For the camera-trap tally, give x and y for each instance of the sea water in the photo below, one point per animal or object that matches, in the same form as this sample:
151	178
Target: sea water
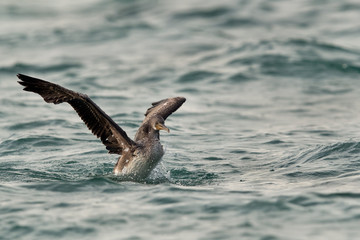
267	145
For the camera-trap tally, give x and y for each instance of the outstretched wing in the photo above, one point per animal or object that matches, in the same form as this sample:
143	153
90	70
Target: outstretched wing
101	125
164	108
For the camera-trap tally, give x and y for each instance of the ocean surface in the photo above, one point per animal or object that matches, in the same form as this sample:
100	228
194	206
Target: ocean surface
267	145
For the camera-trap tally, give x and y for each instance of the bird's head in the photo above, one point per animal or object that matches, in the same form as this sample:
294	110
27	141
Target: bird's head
158	123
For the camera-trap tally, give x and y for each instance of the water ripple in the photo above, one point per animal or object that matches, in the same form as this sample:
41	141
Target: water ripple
25	68
195	76
335	161
203	13
38	123
267	144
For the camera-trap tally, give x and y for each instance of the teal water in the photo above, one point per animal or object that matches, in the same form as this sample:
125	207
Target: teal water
267	145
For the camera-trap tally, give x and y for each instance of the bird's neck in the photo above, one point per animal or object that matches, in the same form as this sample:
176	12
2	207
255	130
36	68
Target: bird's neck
147	132
154	134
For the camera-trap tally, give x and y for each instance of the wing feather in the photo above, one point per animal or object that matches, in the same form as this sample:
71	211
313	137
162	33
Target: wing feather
99	123
165	107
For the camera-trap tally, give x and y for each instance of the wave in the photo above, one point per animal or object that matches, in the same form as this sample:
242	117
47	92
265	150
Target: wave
24	68
300	58
339	160
195	76
236	22
22	145
38	123
202	13
283	65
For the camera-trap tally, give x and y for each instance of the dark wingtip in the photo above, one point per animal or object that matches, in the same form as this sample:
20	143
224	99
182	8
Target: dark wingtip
21	83
26	81
19	75
22	77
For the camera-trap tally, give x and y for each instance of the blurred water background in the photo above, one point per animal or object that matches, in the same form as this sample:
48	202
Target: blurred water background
267	145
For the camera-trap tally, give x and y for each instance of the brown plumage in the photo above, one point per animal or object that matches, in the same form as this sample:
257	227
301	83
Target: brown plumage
138	156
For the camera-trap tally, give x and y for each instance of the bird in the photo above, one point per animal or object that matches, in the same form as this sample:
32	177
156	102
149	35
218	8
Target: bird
138	157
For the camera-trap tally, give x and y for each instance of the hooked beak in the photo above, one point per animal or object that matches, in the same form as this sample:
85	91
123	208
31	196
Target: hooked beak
160	126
